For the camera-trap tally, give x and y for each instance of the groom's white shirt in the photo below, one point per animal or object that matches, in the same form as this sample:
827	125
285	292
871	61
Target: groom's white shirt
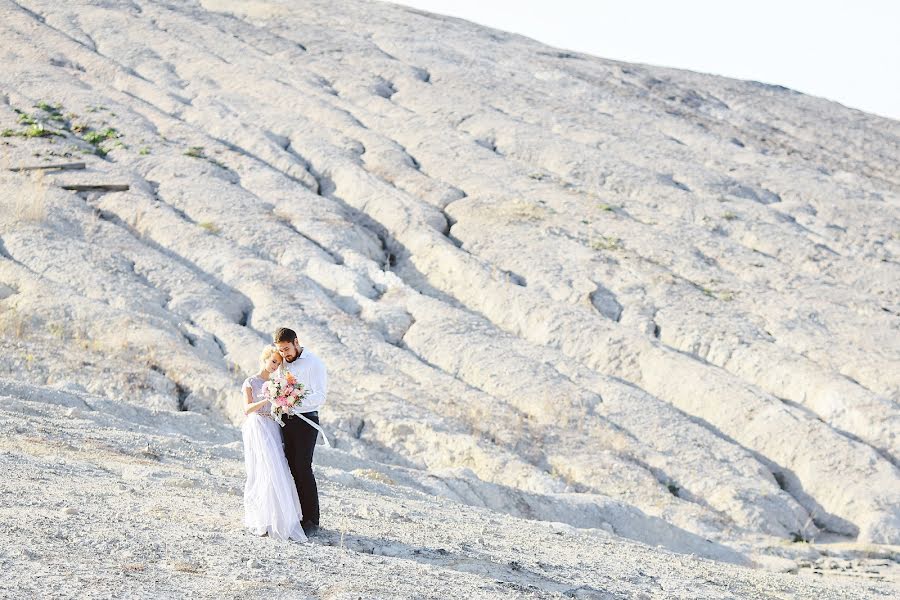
310	371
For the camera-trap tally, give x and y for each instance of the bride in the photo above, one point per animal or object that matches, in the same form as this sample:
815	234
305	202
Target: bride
271	504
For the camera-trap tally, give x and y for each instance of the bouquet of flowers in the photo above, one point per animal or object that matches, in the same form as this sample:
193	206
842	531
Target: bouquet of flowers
284	392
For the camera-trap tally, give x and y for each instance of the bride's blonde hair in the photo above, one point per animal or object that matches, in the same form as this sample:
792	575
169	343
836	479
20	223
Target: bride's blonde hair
267	352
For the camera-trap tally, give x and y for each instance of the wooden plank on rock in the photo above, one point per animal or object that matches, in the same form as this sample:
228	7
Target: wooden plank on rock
60	166
97	187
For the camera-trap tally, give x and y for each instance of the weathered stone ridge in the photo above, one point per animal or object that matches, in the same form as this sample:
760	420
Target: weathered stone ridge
627	298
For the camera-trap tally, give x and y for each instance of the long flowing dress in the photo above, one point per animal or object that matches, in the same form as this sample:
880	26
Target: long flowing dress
271	504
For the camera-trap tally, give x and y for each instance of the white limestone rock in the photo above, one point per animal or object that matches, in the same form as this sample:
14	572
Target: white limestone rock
648	305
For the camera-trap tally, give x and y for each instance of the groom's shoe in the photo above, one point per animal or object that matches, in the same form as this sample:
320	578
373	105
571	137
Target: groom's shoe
309	528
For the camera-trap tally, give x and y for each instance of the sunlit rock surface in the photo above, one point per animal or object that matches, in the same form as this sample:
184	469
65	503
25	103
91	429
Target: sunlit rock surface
630	302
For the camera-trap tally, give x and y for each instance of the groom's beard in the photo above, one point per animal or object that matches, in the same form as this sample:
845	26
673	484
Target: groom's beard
295	357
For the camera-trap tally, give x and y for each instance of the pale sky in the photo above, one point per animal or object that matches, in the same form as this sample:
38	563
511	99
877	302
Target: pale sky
843	50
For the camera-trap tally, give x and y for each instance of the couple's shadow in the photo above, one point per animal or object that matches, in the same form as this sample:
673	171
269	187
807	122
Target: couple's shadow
511	575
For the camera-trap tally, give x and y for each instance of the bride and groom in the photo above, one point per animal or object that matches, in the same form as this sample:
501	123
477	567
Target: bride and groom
280	496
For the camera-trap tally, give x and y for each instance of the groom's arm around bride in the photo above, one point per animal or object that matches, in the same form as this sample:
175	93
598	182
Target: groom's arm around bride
300	436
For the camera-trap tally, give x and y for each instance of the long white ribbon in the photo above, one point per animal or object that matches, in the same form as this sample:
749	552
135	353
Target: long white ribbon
315	426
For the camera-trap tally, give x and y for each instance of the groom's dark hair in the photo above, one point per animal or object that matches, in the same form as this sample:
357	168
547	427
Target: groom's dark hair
283	334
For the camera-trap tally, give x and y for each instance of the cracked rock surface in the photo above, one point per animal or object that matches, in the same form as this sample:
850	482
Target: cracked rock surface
593	329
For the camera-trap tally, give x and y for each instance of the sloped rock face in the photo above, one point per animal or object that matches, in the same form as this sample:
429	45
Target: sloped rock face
648	291
147	503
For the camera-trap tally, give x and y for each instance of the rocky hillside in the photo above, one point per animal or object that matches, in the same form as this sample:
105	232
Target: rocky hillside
105	499
655	310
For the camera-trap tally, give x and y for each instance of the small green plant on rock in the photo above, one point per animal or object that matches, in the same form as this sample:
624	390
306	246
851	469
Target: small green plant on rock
723	295
33	131
605	242
37	130
209	226
195	152
218	163
49	108
57	330
96	137
37	122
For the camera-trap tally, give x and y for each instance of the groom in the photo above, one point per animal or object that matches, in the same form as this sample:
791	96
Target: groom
300	436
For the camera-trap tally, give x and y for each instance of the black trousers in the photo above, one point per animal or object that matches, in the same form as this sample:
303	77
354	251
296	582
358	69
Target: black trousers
299	445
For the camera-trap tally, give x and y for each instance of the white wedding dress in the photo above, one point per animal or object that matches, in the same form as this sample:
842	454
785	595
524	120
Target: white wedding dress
271	504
